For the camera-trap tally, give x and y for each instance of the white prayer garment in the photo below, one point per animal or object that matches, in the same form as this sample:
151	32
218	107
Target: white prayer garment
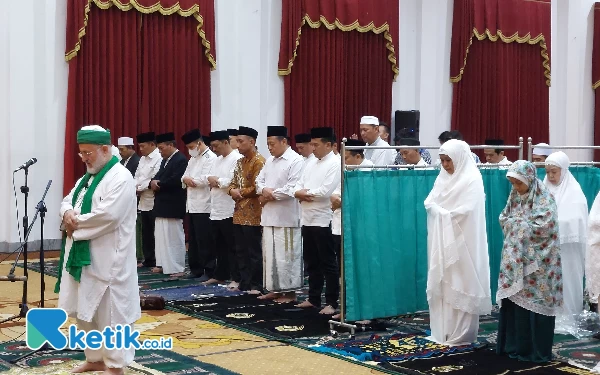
572	220
280	219
222	205
107	293
147	169
115	152
170	245
381	157
198	168
458	280
320	177
592	257
110	228
336	222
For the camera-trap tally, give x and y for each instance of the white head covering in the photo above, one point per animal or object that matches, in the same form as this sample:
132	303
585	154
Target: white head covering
542	151
369	120
570	200
125	141
115	152
518	177
456	235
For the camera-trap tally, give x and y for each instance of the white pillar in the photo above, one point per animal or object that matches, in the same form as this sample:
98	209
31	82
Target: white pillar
424	63
33	92
571	94
245	88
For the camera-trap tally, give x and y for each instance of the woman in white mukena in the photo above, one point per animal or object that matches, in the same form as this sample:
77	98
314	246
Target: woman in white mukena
458	280
572	232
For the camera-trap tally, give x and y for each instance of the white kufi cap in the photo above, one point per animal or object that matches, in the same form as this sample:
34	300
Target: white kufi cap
369	120
125	141
542	151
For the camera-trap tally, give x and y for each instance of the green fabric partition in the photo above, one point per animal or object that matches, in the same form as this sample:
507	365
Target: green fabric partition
385	236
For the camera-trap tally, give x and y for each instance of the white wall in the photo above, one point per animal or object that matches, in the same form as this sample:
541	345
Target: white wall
245	88
424	63
33	92
571	94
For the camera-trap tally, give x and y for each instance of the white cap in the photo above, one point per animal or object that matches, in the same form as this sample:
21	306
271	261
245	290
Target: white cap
542	151
369	120
125	141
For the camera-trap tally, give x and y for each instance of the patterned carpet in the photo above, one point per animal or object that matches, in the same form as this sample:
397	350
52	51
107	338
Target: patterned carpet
381	344
160	362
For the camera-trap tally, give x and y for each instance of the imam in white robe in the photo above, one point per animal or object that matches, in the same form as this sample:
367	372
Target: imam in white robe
458	279
110	227
572	230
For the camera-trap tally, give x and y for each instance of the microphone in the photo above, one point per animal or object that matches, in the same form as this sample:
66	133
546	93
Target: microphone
27	164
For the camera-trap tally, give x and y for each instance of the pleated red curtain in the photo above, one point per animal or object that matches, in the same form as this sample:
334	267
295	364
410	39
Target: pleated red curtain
136	70
338	59
500	66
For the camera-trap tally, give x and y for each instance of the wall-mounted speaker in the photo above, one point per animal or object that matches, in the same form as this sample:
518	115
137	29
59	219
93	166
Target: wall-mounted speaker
407	124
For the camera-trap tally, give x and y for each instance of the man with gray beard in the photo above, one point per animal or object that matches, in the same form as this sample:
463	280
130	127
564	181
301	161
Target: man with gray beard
97	278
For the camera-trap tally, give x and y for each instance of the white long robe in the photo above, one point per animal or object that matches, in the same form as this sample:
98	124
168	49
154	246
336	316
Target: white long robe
592	256
110	227
572	220
458	280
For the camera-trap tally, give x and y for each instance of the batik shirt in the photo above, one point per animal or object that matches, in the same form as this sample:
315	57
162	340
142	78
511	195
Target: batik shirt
530	269
247	210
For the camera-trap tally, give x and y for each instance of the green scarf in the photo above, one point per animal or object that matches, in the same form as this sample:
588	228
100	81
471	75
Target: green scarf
79	256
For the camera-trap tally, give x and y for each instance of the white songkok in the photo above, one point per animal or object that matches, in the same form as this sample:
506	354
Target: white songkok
542	151
125	141
369	120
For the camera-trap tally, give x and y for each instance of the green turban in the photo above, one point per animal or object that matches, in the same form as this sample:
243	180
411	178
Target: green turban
94	135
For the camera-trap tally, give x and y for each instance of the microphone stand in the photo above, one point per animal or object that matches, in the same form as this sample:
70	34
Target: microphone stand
41	210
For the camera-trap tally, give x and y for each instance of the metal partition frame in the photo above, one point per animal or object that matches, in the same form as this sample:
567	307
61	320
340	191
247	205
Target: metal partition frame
531	146
343	148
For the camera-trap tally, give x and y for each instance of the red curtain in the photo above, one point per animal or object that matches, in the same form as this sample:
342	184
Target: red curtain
500	66
338	74
134	72
596	78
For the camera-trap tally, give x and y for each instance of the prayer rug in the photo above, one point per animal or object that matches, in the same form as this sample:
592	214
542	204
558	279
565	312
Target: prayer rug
390	348
163	361
484	361
191	292
585	351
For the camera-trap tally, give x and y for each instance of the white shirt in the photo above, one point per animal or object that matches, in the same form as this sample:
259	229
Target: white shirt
421	163
505	163
110	228
222	204
146	170
336	222
281	174
381	157
198	169
320	177
308	159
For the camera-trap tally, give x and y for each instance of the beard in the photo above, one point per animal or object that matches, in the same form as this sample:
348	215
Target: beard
98	164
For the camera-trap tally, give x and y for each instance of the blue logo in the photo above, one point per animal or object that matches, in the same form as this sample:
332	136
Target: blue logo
43	326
